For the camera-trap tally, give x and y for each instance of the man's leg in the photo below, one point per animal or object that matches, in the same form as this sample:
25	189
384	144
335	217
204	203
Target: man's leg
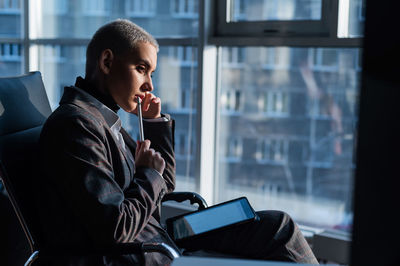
274	237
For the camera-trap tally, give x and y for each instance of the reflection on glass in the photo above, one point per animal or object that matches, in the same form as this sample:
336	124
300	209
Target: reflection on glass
258	10
287	118
11	59
11	13
80	19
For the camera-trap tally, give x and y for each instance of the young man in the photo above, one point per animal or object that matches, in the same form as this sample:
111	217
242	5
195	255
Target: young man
103	188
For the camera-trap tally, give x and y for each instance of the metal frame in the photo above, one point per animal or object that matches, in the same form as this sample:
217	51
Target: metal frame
226	27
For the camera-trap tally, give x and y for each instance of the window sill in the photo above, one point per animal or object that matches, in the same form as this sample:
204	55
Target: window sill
328	245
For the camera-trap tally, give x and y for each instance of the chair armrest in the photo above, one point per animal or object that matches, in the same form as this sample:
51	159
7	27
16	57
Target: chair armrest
117	249
193	197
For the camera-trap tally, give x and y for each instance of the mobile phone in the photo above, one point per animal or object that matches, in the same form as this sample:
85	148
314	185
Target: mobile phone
214	218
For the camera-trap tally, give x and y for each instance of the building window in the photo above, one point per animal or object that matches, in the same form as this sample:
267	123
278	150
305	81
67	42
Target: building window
184	145
183	55
140	8
54	53
361	10
96	7
186	99
324	59
279	9
234	149
272	150
233	57
274	103
58	7
239	10
231	101
185	8
10	6
275	58
10	52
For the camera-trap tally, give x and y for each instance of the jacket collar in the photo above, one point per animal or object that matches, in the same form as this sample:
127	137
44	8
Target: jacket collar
81	98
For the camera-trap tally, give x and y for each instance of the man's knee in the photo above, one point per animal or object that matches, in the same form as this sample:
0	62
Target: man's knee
280	223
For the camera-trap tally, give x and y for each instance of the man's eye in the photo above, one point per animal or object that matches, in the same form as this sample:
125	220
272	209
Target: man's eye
141	68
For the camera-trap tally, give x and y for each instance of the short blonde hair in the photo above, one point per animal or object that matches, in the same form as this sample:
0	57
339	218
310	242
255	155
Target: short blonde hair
119	36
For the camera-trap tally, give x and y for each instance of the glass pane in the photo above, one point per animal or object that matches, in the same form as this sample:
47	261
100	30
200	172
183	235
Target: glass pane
356	18
80	19
259	10
287	120
175	82
11	12
11	59
54	61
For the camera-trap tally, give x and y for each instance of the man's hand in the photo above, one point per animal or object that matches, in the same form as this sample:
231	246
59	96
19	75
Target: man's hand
151	106
147	157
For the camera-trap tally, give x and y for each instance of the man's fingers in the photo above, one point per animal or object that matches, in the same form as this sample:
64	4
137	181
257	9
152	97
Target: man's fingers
147	100
144	145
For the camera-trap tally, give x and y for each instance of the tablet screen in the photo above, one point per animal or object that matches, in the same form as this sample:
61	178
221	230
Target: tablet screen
212	218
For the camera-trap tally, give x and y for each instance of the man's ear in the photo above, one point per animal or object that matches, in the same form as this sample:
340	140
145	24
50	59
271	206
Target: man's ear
106	60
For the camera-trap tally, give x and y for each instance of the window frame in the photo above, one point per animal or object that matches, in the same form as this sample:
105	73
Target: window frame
282	28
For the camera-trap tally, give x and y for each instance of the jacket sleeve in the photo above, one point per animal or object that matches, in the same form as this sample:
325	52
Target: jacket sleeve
78	166
161	135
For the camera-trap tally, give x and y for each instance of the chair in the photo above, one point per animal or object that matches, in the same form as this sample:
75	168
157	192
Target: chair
24	108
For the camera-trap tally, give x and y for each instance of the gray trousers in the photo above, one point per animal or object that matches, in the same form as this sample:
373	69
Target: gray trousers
274	236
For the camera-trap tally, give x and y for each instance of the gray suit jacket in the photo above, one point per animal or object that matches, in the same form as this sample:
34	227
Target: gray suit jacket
91	195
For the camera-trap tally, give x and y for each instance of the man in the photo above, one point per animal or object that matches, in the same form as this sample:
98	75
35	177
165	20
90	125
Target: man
104	188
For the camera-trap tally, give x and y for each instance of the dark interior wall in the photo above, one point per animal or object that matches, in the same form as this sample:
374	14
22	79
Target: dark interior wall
377	193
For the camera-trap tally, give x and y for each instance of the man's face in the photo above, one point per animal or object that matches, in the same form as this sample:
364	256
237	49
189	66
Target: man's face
130	75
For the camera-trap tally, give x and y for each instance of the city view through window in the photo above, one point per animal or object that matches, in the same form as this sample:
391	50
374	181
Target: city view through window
286	116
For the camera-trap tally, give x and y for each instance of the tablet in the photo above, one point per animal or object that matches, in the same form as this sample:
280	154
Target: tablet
214	218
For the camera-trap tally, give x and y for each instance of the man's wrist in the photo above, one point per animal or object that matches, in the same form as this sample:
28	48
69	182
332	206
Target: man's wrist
162	118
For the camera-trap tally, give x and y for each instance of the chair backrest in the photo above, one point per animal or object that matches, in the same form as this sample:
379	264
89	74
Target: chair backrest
24	108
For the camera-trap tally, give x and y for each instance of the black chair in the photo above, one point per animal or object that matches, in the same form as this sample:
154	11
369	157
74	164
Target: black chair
24	108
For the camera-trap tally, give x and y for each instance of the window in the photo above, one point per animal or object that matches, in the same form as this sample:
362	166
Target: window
96	7
256	10
185	8
233	149
54	53
187	98
231	101
183	55
275	87
10	6
233	57
272	150
141	8
10	52
184	145
274	103
258	17
361	10
239	10
283	146
324	59
276	58
55	7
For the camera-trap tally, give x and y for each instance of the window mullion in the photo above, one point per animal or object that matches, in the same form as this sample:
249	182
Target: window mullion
26	43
